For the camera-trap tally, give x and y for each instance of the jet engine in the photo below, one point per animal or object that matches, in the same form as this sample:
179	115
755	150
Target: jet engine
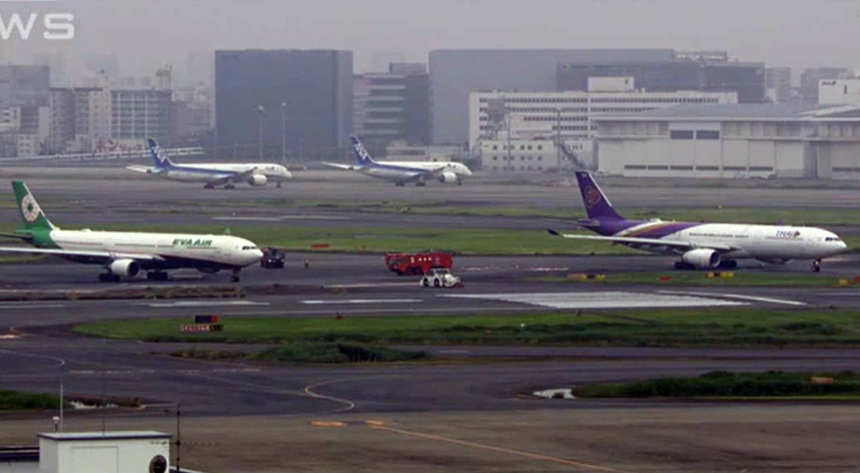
448	177
125	268
702	258
257	180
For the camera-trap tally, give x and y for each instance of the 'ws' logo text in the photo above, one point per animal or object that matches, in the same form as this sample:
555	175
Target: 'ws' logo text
53	26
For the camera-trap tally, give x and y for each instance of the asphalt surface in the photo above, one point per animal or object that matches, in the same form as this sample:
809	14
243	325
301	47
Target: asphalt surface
488	386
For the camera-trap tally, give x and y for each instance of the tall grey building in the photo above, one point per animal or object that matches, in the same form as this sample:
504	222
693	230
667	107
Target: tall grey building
456	73
24	85
777	81
304	94
394	106
809	81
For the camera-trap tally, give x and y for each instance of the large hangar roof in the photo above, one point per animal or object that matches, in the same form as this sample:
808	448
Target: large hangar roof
733	112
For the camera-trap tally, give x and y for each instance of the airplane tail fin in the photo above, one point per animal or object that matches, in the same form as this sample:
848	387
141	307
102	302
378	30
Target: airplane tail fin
31	214
158	155
596	204
362	157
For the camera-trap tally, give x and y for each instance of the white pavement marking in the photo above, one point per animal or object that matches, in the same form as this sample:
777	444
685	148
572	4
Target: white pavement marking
360	301
203	304
280	218
31	306
384	284
601	300
737	296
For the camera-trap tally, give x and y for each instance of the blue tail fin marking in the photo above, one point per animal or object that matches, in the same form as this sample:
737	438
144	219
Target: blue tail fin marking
362	157
161	159
596	204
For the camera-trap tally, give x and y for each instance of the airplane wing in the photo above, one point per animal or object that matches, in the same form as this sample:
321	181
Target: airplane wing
106	255
633	241
232	177
142	169
346	167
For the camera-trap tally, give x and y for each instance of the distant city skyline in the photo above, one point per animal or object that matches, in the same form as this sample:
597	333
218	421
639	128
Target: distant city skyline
146	34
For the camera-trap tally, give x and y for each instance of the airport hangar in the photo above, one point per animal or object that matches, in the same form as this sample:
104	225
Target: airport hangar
732	141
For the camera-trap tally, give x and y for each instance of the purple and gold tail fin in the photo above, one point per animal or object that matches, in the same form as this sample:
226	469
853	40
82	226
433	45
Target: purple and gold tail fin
596	204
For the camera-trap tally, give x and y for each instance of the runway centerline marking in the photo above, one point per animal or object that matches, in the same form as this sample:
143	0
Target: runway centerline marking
493	448
736	296
161	305
602	300
360	301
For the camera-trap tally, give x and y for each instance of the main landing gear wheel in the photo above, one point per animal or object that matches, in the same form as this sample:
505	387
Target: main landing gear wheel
229	187
682	266
279	184
156	276
816	266
208	186
108	277
728	264
235	276
420	184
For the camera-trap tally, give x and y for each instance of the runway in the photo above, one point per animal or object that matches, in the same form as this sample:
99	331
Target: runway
479	396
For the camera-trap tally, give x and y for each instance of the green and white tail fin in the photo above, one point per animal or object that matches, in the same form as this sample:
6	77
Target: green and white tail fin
31	213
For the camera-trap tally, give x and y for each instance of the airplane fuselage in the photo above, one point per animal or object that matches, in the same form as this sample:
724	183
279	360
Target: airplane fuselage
769	243
205	252
403	171
209	172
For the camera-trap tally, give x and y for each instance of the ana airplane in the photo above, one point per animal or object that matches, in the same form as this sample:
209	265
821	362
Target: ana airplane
702	245
125	254
403	172
212	175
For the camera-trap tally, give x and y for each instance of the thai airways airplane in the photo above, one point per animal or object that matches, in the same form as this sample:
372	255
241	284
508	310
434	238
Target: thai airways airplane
125	254
212	175
702	245
403	172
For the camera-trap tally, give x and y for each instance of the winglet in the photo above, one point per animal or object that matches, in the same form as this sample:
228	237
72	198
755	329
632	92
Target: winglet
31	214
362	157
158	155
596	203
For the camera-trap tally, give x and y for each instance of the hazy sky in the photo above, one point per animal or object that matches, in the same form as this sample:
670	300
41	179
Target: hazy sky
146	33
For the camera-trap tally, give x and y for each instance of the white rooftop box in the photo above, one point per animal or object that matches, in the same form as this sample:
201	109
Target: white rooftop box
611	84
109	452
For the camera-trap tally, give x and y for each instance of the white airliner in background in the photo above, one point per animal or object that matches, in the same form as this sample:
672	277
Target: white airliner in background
703	245
212	175
125	254
403	172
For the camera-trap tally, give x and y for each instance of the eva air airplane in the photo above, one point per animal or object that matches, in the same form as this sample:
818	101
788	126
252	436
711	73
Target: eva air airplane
125	254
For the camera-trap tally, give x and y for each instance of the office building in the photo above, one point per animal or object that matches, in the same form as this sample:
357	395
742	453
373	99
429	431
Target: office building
393	106
302	95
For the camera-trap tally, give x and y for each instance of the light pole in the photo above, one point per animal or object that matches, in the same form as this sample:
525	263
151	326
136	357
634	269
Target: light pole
261	110
283	132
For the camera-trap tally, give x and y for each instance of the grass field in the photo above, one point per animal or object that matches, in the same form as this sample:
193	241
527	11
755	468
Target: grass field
761	215
707	327
18	401
701	279
721	384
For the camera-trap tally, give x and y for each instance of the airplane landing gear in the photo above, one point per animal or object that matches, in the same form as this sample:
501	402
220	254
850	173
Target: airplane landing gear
156	276
420	184
230	187
235	276
682	266
279	184
728	264
816	266
208	186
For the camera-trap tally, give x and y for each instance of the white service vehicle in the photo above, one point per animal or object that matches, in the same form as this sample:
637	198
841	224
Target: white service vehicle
440	277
